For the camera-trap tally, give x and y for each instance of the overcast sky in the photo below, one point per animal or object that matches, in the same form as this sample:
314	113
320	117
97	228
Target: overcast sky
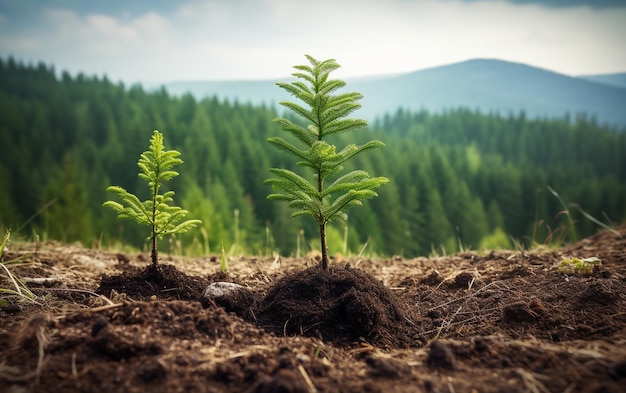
167	40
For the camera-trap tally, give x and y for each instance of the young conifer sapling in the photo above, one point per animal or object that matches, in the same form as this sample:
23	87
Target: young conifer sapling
330	194
158	212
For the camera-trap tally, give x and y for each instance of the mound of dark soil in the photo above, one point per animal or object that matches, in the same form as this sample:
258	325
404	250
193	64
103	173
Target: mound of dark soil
164	281
340	305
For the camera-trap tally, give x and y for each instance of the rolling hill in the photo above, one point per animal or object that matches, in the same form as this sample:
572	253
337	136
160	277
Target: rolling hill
617	80
489	86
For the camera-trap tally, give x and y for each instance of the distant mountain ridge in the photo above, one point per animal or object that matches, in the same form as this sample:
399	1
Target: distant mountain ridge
486	85
617	80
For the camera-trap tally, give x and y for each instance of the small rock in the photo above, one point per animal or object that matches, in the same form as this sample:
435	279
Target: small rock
86	260
220	292
220	289
302	358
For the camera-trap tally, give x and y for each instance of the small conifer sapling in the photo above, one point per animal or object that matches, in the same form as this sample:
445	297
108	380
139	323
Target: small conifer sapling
158	212
330	194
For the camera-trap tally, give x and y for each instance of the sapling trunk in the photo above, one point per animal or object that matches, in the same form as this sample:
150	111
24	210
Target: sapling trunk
322	223
155	253
155	191
324	261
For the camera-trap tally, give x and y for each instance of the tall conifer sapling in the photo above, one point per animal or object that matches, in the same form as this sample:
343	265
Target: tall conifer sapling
326	114
164	219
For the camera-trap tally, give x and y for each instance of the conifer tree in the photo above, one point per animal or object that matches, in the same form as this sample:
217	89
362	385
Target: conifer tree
156	167
326	114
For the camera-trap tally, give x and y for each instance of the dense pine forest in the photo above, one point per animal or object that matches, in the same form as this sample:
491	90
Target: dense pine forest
459	180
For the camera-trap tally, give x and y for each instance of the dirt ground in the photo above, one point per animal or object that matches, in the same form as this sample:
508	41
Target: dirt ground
506	321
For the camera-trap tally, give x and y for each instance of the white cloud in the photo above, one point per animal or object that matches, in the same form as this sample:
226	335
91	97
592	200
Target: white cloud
244	39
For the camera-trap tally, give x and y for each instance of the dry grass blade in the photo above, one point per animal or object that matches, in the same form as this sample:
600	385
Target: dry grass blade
531	382
449	321
306	378
21	290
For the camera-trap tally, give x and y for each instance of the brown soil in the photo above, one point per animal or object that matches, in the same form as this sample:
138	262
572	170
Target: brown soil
508	321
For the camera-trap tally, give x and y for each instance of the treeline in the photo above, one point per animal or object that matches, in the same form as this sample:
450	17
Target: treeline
459	179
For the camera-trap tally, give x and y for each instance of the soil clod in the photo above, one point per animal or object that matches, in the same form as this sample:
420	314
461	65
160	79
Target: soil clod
440	356
385	368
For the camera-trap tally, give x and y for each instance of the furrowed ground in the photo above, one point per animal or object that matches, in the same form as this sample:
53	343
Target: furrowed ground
506	321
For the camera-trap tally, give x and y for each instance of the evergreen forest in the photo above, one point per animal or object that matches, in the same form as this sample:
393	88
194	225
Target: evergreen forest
459	180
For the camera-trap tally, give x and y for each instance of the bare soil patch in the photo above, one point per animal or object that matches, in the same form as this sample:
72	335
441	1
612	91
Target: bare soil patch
507	321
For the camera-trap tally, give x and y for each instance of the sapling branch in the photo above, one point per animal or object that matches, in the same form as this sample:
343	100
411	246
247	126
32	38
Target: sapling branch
327	113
